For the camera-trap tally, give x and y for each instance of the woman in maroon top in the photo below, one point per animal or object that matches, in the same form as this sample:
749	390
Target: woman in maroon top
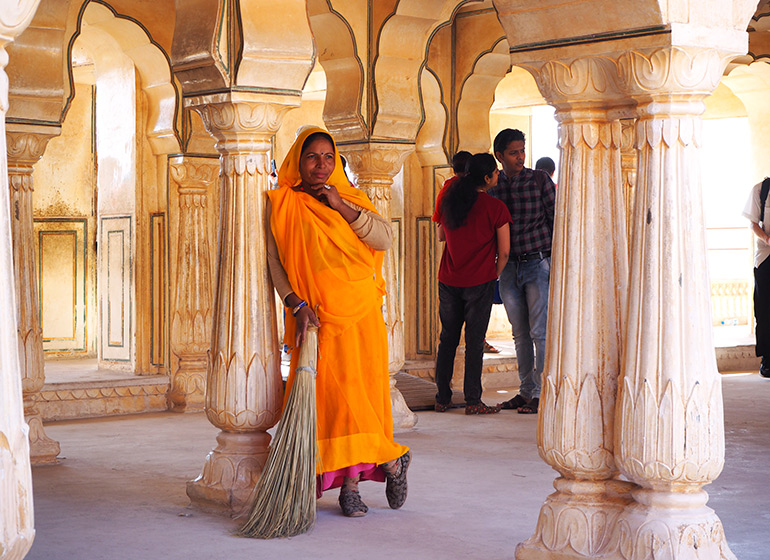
475	228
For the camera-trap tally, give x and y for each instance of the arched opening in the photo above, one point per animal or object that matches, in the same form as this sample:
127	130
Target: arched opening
100	208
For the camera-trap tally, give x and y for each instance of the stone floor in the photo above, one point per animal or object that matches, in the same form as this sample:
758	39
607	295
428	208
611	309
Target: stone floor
476	485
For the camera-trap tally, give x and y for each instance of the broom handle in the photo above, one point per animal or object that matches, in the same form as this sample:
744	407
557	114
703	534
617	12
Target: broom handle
308	352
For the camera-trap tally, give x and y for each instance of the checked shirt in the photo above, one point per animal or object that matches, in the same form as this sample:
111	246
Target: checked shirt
530	197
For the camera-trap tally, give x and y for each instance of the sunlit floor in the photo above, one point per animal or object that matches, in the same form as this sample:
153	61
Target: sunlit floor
476	486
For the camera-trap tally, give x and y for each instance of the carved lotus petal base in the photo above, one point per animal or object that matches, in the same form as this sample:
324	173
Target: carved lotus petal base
577	520
230	472
42	449
188	385
403	417
670	526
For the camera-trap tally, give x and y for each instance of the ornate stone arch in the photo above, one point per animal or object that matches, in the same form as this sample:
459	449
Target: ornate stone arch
39	69
40	86
152	66
750	83
477	93
403	44
337	53
430	139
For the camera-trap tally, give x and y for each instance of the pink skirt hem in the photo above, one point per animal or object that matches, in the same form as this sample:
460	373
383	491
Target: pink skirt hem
334	479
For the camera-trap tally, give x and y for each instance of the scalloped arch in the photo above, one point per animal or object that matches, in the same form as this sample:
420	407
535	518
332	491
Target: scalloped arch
477	95
100	25
430	138
344	71
403	47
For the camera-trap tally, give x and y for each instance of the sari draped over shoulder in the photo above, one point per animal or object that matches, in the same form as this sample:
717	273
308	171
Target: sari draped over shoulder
339	276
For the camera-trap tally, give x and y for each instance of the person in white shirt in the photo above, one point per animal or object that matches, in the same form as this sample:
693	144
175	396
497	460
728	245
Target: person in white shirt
756	212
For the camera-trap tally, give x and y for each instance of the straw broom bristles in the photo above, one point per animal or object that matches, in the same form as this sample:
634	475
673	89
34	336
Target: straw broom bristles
286	492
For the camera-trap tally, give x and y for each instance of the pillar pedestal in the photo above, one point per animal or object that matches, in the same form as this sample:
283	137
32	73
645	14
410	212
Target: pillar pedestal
228	476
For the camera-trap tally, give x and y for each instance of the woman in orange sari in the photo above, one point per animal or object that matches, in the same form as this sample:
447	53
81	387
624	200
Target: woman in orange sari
325	252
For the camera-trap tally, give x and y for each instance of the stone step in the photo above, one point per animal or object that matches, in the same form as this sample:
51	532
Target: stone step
103	397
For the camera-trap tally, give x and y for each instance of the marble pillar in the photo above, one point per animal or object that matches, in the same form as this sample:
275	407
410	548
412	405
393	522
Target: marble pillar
669	421
243	385
192	286
17	529
375	165
589	272
25	146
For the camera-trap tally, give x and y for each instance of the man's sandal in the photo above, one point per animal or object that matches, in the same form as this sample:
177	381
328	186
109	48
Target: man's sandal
481	408
531	407
395	483
513	404
441	407
351	504
489	349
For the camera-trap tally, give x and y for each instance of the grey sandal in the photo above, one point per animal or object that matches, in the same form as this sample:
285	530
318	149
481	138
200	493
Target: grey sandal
351	504
395	484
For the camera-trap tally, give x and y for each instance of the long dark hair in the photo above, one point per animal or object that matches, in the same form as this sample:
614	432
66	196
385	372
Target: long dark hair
463	193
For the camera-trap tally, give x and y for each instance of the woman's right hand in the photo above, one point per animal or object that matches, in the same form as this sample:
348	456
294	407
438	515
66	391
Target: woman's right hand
305	316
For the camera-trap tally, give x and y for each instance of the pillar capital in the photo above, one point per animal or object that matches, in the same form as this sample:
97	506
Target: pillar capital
573	83
376	163
687	73
193	175
242	123
26	144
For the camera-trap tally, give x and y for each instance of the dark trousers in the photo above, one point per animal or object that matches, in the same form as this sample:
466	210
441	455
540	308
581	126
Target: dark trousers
762	307
457	306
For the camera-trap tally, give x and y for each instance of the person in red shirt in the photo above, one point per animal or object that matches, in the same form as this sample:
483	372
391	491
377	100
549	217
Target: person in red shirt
459	163
475	227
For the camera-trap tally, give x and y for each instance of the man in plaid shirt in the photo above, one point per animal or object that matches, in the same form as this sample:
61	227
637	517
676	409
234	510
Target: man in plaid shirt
530	196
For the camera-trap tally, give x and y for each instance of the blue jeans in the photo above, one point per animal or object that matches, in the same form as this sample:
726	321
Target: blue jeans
524	290
457	306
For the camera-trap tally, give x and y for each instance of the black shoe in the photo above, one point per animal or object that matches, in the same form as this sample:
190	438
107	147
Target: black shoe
764	369
395	484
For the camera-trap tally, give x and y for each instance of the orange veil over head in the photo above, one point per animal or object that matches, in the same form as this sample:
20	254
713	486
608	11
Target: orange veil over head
327	265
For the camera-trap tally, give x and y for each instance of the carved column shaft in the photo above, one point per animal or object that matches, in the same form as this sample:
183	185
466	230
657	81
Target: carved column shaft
628	169
375	165
192	312
589	273
244	387
17	528
26	145
670	432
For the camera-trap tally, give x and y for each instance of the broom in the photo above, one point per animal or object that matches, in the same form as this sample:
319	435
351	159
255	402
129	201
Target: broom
285	494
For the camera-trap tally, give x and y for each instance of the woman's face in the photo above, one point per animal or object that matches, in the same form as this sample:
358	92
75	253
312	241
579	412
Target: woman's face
317	162
491	180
